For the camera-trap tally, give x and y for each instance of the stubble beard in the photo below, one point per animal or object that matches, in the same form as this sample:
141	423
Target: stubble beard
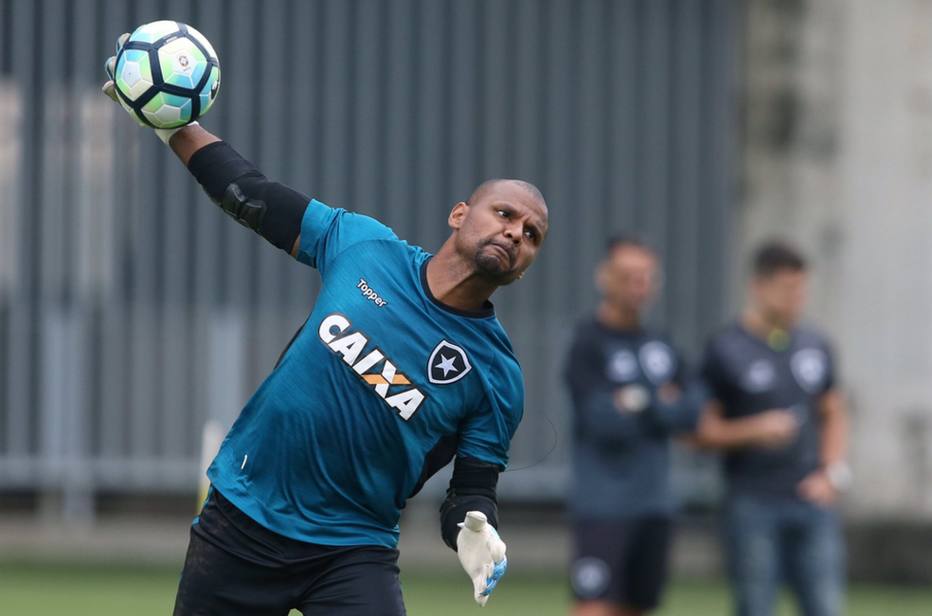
490	267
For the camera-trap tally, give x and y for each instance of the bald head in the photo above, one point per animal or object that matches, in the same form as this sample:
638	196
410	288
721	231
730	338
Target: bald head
499	229
490	186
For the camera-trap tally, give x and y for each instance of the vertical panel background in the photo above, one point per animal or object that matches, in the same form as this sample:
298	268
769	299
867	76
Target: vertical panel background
131	310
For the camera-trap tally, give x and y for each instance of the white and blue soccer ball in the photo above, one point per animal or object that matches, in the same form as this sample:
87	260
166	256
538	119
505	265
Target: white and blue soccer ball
167	74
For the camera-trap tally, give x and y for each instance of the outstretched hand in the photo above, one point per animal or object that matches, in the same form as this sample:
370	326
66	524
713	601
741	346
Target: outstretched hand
482	553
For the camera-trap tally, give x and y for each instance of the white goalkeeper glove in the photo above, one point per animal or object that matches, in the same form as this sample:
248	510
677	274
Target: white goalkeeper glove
482	553
110	90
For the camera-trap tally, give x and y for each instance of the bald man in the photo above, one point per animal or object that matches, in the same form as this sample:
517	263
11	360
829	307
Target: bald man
400	368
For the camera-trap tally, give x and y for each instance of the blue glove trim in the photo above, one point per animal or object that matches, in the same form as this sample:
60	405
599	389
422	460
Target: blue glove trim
493	579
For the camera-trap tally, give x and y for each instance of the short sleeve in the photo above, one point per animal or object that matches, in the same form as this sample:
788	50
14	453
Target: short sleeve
711	371
327	231
486	434
581	369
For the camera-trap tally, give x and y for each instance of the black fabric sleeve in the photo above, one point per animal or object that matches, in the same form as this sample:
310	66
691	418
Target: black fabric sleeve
595	416
272	210
581	368
472	488
216	165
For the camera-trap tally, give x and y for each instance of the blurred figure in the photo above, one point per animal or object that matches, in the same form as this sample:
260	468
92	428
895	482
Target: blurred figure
630	395
777	414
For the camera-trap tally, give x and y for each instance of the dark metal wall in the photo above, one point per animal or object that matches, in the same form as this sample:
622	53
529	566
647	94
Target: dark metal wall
131	309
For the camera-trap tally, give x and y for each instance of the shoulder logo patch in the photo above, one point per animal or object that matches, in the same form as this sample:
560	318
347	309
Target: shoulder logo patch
447	364
810	368
622	366
759	377
658	362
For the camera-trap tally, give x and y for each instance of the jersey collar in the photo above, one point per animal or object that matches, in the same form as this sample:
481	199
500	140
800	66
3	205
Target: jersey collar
487	310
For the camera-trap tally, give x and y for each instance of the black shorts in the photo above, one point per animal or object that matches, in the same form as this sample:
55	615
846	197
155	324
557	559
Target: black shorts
235	566
621	561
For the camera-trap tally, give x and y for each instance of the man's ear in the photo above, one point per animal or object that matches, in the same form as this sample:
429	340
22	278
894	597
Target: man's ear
458	215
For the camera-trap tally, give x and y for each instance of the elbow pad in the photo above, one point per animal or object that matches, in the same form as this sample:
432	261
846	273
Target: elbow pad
270	209
472	488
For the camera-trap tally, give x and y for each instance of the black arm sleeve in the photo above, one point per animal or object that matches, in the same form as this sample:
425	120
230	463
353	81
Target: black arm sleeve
272	210
472	488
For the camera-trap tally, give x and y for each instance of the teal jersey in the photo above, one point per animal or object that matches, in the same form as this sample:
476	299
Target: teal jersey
334	441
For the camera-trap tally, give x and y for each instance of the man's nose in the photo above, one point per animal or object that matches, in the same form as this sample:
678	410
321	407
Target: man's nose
513	232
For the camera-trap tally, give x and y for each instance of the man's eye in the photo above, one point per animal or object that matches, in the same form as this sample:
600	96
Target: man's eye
504	213
530	234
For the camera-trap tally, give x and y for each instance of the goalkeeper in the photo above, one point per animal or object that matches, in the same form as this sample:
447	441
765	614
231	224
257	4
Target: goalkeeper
401	367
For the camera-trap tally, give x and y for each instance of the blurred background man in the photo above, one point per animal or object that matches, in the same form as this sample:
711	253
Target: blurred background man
777	414
630	395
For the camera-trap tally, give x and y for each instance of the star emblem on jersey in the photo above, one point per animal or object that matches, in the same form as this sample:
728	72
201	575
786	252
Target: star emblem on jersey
447	364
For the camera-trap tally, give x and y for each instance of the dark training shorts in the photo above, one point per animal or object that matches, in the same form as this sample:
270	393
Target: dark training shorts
235	567
621	561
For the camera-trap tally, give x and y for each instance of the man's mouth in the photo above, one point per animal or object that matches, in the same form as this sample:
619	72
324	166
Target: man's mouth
504	251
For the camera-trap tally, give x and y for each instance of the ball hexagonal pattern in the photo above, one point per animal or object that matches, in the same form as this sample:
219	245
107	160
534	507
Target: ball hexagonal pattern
167	74
168	110
134	73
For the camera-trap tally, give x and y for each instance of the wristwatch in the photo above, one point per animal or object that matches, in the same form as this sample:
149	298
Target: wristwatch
839	475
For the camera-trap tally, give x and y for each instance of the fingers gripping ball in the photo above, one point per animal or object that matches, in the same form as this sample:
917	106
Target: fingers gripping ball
166	74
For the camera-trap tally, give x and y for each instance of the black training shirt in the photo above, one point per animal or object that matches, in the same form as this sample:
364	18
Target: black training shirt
747	375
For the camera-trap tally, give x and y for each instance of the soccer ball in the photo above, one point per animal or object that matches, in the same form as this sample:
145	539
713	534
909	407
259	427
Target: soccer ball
167	74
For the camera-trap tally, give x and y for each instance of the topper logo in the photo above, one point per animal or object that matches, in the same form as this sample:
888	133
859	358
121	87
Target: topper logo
369	293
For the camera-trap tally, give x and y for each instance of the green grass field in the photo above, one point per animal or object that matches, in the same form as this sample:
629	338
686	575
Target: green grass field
104	591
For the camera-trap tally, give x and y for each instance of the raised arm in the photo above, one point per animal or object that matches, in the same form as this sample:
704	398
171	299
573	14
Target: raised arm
272	210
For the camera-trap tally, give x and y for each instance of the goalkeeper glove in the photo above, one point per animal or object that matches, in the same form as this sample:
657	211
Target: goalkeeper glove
110	90
482	554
